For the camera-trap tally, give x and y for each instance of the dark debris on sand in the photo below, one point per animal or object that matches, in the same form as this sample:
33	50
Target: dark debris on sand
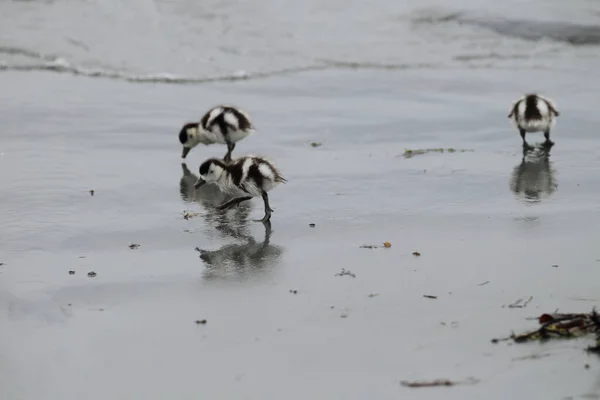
436	383
521	303
386	245
562	326
345	272
409	153
187	215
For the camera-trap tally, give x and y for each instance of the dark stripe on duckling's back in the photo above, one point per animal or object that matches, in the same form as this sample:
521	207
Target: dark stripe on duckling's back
531	108
236	170
255	175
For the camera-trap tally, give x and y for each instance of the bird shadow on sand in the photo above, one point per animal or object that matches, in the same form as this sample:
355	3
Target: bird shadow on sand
238	261
534	177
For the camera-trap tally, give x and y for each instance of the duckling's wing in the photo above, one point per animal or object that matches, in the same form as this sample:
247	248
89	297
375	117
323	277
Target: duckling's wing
513	108
551	105
208	119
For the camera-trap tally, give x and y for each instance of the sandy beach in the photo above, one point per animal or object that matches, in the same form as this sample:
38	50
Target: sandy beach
217	306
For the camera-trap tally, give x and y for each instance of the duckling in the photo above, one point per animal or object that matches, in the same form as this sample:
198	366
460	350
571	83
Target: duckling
221	124
534	113
253	175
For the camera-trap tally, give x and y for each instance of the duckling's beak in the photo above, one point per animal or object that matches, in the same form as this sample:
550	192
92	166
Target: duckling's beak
185	151
199	183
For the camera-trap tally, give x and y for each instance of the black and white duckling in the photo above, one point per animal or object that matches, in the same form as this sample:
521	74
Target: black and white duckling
255	176
534	113
221	124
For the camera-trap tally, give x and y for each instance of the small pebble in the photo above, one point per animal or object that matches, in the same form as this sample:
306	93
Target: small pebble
201	322
416	254
387	244
311	225
91	192
91	274
71	272
133	246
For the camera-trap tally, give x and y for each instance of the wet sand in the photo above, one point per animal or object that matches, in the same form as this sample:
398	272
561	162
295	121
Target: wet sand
480	216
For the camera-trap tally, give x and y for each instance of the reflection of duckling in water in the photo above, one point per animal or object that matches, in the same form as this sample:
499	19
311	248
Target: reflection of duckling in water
241	260
208	196
534	176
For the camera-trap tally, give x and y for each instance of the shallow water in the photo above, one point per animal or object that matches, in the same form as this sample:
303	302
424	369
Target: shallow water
475	216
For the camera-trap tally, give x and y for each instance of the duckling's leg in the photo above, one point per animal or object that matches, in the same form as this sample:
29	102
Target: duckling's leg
548	141
268	209
233	202
230	147
525	144
268	230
